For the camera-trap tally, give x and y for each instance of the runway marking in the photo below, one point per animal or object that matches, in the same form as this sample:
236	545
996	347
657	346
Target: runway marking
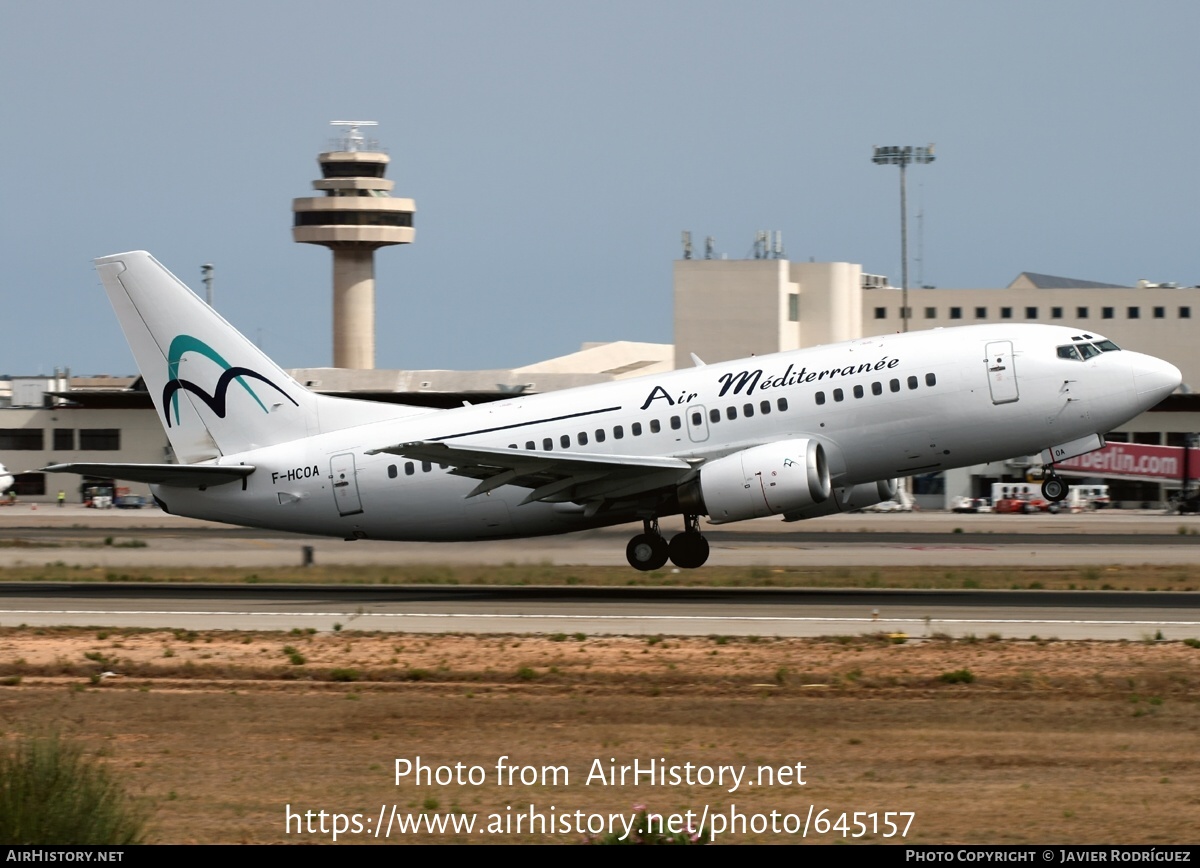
531	617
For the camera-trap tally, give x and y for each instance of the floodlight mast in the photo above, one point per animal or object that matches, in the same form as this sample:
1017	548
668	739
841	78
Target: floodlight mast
896	155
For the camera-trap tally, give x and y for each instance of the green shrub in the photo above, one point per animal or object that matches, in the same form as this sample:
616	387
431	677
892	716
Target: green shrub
958	676
51	793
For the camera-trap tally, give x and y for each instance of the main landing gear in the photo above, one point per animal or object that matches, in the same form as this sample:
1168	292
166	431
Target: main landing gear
1053	487
649	551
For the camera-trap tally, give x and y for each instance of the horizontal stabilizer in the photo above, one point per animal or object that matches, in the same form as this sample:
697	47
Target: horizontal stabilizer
178	475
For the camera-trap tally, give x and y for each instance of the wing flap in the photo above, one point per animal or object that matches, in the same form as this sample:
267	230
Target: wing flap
178	475
552	476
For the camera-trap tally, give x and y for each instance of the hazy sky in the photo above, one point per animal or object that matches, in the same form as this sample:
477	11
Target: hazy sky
557	149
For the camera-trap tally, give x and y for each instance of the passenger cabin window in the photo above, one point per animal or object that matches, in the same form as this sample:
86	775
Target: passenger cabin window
618	432
782	404
565	441
894	385
877	388
547	445
529	444
731	413
858	391
636	429
409	469
600	435
582	438
655	427
714	415
747	410
764	407
912	382
392	472
839	395
820	396
930	380
675	423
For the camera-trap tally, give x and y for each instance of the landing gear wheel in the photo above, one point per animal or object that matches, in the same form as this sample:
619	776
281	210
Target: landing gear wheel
688	550
1053	488
646	552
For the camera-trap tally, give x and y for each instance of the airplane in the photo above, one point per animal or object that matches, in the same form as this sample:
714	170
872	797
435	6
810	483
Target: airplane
6	479
798	434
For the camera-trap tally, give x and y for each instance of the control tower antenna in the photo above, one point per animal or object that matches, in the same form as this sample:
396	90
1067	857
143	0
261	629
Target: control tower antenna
354	216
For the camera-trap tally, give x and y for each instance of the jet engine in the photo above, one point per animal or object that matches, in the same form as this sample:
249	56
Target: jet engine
765	480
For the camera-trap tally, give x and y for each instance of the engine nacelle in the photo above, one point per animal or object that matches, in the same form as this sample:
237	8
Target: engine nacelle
766	480
868	494
847	499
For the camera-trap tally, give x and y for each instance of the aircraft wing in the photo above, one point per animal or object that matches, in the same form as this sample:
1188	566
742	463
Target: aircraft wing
555	477
180	475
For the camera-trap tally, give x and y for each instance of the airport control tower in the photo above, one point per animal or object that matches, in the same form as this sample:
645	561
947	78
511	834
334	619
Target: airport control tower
355	215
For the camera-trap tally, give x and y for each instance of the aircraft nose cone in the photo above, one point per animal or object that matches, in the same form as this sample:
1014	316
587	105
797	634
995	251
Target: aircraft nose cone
1154	379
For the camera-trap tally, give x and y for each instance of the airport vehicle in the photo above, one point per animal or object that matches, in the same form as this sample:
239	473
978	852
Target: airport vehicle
798	434
1026	505
1024	497
970	505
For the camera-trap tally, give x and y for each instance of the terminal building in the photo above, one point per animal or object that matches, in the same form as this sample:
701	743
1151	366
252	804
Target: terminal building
728	309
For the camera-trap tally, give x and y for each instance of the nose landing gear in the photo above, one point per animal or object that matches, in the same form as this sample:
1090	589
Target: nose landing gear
649	551
1053	487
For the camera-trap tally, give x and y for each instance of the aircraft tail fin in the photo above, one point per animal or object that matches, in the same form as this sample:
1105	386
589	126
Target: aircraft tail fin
216	393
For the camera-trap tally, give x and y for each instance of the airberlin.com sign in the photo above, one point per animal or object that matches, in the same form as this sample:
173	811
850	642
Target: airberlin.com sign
1133	461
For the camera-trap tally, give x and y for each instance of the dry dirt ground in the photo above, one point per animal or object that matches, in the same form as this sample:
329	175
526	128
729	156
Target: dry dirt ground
220	734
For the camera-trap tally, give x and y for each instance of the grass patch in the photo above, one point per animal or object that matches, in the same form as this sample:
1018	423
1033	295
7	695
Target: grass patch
51	793
1133	577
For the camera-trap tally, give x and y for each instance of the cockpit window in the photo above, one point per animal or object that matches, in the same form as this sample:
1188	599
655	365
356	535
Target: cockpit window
1107	346
1088	350
1069	352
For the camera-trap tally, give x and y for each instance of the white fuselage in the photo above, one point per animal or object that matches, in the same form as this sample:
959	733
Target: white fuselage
881	407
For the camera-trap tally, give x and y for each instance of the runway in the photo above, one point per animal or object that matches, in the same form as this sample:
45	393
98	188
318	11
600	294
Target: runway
617	611
75	536
85	538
